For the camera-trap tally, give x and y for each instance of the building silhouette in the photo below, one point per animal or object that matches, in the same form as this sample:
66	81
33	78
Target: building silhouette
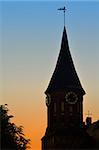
64	100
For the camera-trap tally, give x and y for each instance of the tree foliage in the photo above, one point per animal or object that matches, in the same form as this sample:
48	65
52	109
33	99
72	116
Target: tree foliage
12	137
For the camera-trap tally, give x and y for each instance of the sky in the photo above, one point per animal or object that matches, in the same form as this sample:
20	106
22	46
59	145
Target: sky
30	39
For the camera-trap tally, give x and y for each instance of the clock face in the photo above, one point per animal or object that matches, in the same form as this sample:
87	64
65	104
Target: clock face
48	99
71	97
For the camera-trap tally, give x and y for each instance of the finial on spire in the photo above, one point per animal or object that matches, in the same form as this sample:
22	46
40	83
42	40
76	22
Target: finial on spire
64	9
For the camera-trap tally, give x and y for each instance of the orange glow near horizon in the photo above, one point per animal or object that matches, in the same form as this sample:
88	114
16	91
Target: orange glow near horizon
27	104
31	111
35	125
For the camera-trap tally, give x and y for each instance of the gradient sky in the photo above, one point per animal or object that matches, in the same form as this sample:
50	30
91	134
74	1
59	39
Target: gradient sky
30	38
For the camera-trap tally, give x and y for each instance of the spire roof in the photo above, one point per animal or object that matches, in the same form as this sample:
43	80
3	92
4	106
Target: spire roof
64	75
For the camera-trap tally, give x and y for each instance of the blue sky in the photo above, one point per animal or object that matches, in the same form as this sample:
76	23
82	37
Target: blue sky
25	24
30	37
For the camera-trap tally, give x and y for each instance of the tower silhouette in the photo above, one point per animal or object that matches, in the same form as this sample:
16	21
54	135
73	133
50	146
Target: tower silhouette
64	100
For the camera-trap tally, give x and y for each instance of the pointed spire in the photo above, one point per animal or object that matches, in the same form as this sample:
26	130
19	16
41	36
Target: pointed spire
64	76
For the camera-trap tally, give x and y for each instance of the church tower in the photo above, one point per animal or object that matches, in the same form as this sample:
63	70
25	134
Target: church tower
64	101
64	95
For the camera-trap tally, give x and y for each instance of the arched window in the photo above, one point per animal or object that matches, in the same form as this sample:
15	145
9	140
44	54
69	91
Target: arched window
78	107
54	108
70	109
62	107
53	140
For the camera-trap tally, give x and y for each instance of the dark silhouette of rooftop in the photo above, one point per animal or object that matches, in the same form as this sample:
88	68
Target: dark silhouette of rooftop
64	75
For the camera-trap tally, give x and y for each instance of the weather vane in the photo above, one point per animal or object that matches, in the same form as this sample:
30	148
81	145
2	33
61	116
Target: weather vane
63	9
